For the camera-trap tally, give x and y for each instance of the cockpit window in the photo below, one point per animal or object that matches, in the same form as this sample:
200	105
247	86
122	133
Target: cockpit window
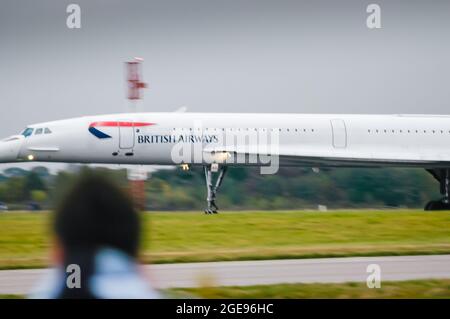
27	132
47	131
38	131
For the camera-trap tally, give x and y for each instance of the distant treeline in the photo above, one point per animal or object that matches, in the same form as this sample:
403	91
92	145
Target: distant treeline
243	188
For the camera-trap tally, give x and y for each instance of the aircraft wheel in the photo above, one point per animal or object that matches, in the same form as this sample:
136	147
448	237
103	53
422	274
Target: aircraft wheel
437	205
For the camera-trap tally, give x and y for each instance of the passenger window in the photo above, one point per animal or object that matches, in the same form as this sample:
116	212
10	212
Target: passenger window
38	131
47	131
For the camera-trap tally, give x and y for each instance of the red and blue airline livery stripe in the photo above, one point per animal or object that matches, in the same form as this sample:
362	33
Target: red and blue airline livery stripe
97	133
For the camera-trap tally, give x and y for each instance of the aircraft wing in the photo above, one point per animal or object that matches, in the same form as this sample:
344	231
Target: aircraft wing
319	157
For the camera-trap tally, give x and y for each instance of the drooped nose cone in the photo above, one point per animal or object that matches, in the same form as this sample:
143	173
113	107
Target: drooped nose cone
10	148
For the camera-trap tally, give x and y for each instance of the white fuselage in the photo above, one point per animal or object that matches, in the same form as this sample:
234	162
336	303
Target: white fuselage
302	139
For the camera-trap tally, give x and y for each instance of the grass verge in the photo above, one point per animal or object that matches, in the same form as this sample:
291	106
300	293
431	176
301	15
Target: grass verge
389	290
25	238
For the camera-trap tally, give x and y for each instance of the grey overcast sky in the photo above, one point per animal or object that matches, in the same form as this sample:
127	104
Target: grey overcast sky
223	56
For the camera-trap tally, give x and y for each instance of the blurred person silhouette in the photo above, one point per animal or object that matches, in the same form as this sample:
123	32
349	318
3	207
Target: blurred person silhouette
97	238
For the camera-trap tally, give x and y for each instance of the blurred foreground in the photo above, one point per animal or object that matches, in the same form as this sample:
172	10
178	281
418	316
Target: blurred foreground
393	289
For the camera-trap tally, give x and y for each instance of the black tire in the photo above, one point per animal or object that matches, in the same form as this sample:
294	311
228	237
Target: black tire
437	205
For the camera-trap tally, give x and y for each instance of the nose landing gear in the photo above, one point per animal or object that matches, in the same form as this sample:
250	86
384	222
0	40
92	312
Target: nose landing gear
213	188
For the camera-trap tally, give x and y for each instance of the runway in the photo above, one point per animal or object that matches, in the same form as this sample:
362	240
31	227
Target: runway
245	273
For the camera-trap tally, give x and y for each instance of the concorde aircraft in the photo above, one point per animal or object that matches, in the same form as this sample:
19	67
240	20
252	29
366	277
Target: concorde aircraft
217	141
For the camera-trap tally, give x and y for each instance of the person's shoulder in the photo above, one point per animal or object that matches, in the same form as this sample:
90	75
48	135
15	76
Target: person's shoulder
50	286
116	276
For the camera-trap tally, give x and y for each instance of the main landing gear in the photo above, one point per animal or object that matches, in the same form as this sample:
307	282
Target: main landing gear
213	188
443	177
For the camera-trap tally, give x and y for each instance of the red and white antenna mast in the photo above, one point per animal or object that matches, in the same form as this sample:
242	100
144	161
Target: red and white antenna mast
134	81
138	175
